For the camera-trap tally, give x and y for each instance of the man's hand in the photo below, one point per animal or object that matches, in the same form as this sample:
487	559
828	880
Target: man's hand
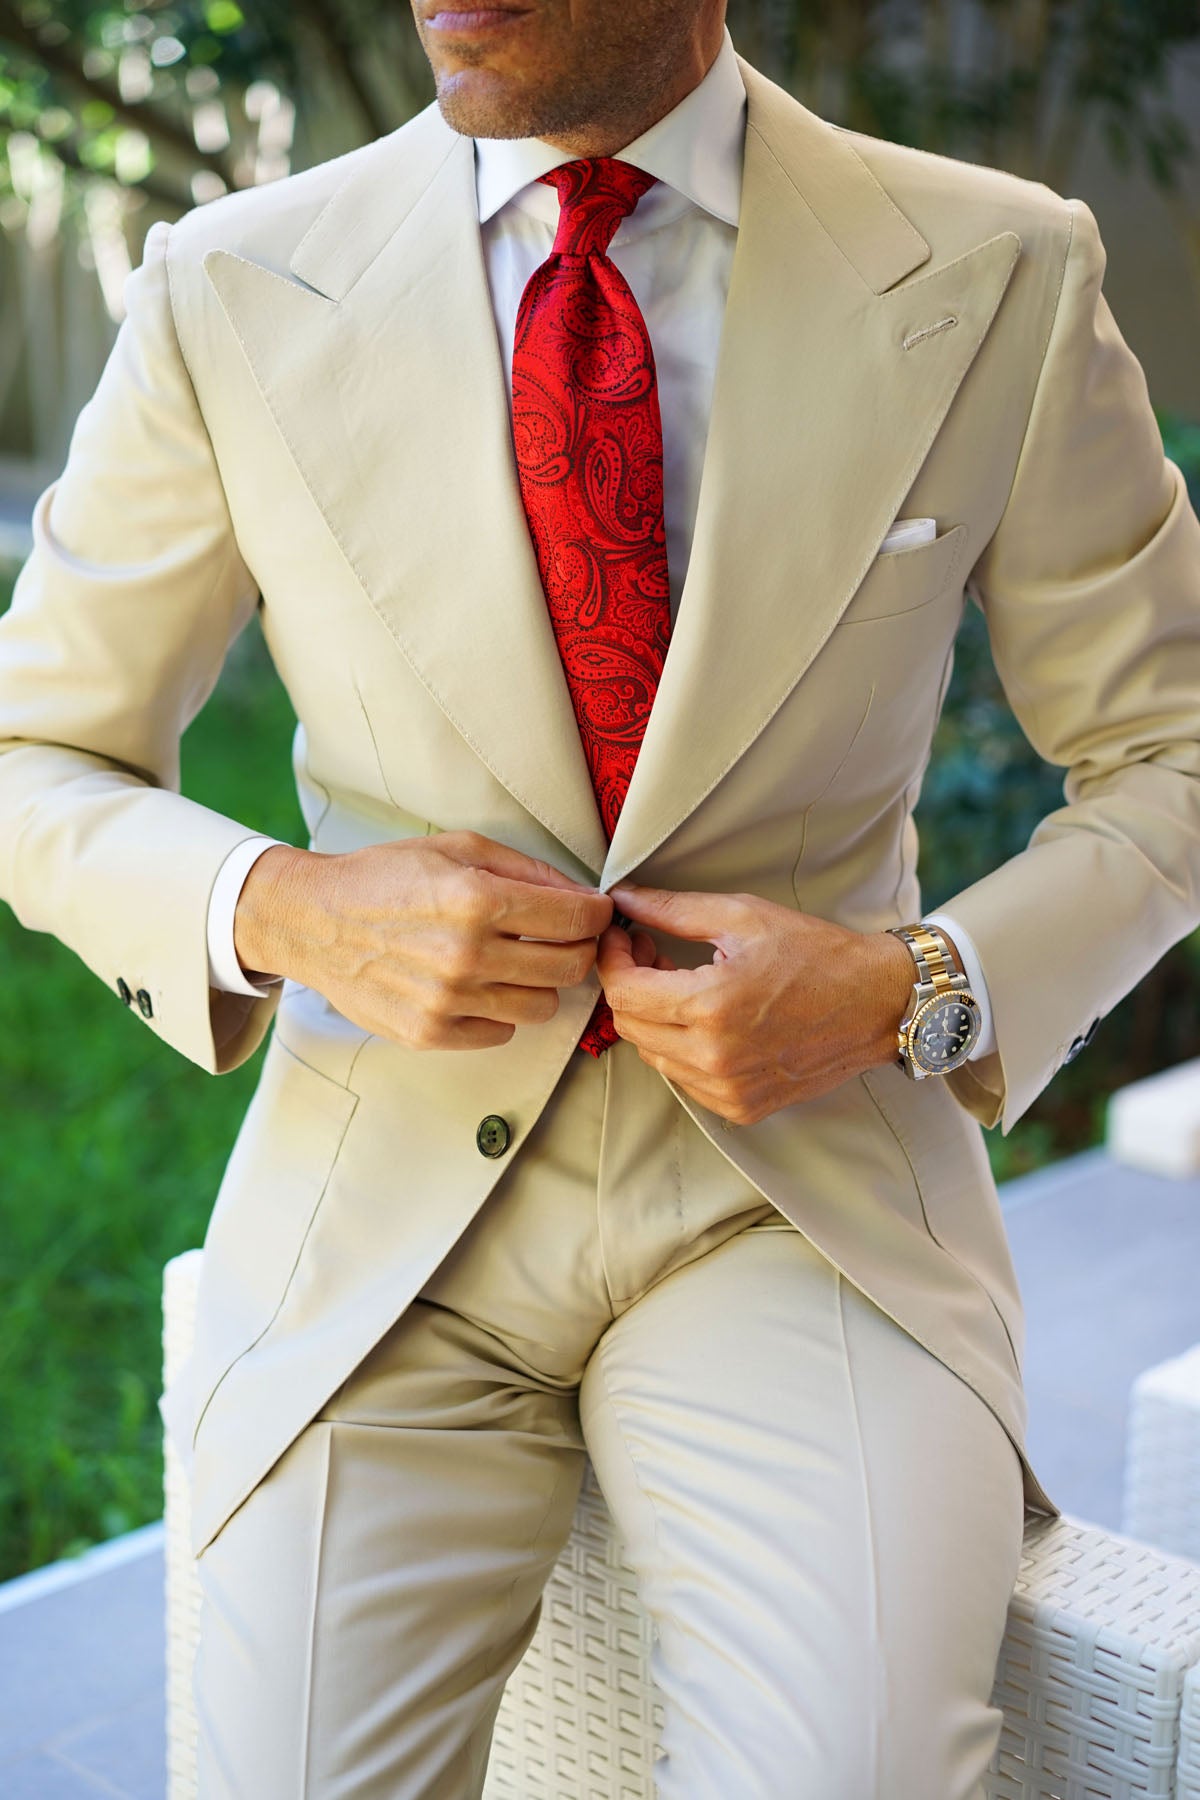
790	1006
423	940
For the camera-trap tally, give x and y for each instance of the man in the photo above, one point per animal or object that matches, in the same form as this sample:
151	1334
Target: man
608	451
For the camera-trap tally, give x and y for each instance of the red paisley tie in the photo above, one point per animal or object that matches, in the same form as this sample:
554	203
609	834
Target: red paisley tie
588	441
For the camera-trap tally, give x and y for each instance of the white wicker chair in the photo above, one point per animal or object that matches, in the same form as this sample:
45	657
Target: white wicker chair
1187	1781
1097	1674
1162	1457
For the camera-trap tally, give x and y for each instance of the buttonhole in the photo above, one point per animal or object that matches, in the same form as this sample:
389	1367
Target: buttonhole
914	337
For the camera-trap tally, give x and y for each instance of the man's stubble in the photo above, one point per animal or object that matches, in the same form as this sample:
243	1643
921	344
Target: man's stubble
617	65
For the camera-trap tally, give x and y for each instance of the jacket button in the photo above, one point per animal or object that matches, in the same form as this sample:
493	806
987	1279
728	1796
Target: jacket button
493	1135
123	990
145	1004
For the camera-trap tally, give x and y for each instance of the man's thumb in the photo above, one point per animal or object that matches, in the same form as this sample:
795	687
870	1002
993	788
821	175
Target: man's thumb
515	865
681	912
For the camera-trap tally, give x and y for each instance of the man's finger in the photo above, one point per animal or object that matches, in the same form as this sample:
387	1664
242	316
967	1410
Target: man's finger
707	918
615	948
648	993
644	949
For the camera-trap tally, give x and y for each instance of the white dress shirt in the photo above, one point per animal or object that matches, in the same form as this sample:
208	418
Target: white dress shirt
675	250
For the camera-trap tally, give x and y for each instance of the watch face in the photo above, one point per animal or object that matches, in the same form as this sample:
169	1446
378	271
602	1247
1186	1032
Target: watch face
945	1032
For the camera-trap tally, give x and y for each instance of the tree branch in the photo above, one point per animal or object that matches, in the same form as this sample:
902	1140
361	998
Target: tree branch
156	125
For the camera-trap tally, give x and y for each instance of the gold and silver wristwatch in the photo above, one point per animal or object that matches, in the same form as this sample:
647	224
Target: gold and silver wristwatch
942	1020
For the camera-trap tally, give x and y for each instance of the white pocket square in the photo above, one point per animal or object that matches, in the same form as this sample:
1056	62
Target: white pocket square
904	533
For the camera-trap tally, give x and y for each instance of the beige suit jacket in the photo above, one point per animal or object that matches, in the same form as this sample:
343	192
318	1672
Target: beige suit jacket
305	410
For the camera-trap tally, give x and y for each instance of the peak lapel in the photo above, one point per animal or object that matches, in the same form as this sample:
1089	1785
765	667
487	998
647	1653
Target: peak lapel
384	377
820	422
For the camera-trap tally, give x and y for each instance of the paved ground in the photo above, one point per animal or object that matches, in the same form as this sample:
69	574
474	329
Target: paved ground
82	1676
16	537
1106	1259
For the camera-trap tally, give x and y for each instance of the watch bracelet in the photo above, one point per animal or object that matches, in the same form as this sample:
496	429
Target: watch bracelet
931	952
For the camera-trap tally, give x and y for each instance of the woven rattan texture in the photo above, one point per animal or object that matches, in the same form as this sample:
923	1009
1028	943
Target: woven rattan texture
581	1714
1187	1780
1102	1633
1162	1457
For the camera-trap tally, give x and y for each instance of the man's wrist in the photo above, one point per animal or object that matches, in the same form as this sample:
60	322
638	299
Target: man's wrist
268	931
225	972
892	984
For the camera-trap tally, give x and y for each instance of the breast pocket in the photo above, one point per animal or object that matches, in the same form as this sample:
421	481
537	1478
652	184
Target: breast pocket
903	581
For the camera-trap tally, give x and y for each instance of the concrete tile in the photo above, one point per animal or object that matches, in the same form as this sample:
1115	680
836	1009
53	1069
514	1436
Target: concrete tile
128	1750
1106	1257
46	1777
80	1654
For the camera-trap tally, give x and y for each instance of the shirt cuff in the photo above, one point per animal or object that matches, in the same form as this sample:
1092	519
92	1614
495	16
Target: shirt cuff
986	1042
224	969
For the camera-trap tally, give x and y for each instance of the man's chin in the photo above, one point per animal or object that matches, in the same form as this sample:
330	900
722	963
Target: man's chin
479	103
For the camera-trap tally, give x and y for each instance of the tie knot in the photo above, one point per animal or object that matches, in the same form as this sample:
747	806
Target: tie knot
595	193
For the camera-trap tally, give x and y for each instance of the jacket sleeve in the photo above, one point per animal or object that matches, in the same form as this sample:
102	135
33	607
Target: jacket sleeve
120	621
1090	587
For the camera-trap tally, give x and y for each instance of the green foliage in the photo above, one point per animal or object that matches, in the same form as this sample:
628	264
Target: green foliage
89	79
1181	441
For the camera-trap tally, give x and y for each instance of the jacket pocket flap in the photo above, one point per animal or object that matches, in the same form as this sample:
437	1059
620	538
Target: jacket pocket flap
900	581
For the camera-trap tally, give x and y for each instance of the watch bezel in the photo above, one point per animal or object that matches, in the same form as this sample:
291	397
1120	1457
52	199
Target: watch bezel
960	996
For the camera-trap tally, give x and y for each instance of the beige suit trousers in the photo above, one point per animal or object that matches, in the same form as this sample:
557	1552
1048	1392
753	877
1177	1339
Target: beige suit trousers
825	1521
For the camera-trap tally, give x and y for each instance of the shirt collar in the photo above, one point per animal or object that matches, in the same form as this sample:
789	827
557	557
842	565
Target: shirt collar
696	148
